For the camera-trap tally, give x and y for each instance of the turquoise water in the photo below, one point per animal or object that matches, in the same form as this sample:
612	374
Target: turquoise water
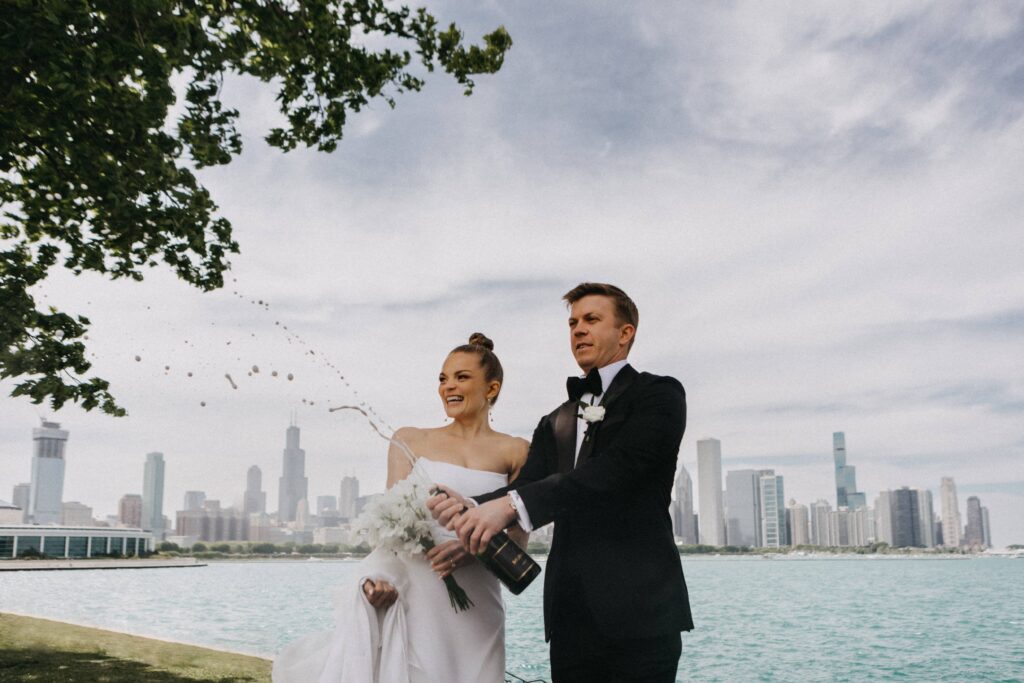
851	619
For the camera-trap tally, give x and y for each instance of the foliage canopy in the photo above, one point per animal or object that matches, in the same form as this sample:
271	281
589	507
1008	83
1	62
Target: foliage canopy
93	177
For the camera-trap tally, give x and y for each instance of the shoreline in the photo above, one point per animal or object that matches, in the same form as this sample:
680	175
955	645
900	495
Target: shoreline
34	647
83	564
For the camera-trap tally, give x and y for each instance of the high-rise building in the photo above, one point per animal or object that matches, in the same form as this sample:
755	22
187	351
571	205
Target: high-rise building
74	513
952	528
153	495
846	476
46	492
821	512
684	525
773	510
926	516
255	497
883	518
194	500
325	504
974	534
908	529
293	484
798	523
348	501
986	529
20	499
129	510
743	507
709	488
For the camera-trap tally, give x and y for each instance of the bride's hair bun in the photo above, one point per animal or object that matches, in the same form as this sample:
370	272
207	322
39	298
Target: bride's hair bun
480	339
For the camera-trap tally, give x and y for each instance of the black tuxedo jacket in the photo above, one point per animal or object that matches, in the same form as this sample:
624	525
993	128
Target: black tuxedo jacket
613	546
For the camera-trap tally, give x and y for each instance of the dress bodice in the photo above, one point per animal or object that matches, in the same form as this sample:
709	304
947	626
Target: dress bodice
466	481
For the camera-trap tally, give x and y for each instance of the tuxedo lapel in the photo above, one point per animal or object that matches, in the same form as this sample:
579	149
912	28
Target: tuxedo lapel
565	435
622	380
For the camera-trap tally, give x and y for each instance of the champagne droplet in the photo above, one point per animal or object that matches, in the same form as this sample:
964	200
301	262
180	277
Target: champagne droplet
290	377
138	358
228	378
255	368
202	403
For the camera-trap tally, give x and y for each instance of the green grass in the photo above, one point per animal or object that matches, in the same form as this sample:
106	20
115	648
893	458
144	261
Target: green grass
51	652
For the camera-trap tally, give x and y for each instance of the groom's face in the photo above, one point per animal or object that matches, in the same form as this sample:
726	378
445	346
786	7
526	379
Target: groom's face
596	336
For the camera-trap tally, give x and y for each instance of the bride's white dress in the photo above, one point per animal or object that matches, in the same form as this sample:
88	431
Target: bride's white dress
421	639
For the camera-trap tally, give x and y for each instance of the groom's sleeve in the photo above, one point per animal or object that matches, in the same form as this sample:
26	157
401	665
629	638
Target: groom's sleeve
649	436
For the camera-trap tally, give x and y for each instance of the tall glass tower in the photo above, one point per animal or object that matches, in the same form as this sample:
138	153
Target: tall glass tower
293	486
847	495
46	490
709	489
153	495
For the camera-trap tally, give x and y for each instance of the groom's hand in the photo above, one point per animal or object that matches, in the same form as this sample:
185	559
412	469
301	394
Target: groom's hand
476	526
446	506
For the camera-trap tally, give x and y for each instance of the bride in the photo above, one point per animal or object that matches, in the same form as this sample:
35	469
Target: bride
397	624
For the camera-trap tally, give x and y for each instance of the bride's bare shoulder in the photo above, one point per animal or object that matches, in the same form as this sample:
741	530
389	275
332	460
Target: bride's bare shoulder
515	448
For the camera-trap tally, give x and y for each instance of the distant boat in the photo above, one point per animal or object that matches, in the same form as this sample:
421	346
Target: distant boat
314	559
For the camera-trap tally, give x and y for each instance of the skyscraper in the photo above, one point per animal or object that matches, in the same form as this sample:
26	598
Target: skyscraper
709	486
194	500
798	524
685	530
952	528
974	534
773	510
743	507
129	510
293	484
153	495
20	499
926	516
46	492
348	501
986	529
907	525
883	518
821	512
846	476
255	497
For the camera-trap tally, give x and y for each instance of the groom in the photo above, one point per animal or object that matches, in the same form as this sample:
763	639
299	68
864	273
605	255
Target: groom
601	467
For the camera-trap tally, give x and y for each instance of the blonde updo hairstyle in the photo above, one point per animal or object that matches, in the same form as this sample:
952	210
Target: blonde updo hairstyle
483	349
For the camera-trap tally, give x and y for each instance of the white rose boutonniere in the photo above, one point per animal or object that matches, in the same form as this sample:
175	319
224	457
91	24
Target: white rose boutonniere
592	414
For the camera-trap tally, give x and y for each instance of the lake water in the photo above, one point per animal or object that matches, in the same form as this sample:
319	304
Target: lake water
843	619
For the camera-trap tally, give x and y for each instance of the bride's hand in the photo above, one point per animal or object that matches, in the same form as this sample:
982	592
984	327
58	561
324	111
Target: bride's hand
447	557
380	593
446	506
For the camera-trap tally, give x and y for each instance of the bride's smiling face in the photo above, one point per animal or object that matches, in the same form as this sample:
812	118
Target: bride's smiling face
463	387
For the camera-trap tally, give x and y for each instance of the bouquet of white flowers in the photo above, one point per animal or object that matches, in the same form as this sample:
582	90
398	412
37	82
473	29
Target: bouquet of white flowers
400	522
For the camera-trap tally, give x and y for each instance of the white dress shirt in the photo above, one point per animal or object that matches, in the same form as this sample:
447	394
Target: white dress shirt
608	374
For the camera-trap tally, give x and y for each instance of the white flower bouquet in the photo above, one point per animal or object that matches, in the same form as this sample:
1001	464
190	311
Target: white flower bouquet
400	522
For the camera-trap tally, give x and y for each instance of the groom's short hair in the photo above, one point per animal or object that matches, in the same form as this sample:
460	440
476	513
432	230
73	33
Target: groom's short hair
625	309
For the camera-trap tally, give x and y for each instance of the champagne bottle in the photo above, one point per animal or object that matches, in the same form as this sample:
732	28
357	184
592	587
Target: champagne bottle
506	560
511	564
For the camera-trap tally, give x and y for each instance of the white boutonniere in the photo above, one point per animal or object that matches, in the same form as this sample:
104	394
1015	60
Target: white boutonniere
592	414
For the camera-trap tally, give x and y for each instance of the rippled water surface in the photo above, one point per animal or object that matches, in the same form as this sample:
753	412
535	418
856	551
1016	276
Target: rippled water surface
757	620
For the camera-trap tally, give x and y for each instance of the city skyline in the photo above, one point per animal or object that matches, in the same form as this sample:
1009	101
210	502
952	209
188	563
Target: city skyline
815	211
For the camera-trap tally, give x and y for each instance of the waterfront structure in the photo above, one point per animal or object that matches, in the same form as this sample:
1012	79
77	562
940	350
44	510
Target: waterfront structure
821	512
20	499
952	528
195	500
974	534
743	508
846	476
349	498
685	527
255	497
24	540
153	495
797	523
129	510
293	485
212	524
46	491
73	513
773	510
709	488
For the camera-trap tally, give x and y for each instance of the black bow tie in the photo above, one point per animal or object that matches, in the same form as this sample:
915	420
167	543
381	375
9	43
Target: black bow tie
577	386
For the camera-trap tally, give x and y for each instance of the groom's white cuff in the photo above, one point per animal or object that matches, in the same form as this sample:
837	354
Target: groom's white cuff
524	516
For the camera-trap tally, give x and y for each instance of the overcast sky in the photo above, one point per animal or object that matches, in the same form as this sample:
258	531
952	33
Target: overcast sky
816	208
